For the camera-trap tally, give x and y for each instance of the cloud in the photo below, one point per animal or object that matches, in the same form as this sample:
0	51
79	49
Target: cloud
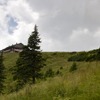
3	23
66	25
84	39
20	10
2	2
19	20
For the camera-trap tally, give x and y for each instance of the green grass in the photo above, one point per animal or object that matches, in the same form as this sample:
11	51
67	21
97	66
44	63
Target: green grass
9	62
81	84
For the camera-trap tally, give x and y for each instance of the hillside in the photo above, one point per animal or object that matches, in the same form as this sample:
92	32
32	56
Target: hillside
82	84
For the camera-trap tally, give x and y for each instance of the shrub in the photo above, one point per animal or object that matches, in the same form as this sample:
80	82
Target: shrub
73	67
58	72
78	57
61	67
54	54
49	73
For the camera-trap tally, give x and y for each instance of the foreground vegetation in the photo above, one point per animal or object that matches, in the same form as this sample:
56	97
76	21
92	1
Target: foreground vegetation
80	84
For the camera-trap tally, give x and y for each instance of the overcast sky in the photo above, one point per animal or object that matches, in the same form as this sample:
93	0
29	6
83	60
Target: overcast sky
64	25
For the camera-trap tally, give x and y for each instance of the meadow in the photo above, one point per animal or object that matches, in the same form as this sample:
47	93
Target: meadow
81	84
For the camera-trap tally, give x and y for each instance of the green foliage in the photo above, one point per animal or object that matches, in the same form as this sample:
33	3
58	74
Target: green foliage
84	84
54	62
61	68
2	75
49	73
58	72
36	60
78	57
21	69
93	55
98	55
73	67
30	61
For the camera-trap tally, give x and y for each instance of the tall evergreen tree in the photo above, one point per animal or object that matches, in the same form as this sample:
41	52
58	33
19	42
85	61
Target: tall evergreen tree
22	69
30	60
2	76
36	59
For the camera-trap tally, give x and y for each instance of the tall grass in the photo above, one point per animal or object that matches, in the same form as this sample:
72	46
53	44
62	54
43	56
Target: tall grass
82	84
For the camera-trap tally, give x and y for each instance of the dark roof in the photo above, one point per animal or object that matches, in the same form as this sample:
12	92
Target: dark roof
16	46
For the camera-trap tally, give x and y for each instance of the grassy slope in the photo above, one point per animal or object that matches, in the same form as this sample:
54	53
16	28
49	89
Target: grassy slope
83	84
9	62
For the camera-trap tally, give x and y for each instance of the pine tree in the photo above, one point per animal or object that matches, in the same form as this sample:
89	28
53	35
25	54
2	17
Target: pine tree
21	69
36	59
2	76
30	61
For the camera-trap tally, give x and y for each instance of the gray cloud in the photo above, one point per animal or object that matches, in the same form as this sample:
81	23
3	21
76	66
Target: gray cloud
67	13
60	20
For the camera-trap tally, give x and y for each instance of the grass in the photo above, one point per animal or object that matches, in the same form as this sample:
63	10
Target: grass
81	84
9	62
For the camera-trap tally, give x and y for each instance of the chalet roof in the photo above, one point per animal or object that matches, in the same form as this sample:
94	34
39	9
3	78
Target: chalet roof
19	46
16	46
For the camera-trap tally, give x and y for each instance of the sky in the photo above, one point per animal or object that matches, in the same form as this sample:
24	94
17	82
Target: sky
63	25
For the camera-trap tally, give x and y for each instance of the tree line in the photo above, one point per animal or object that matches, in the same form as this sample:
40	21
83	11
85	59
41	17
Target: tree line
93	55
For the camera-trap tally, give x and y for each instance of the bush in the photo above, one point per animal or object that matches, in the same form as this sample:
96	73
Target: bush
49	73
73	67
79	57
86	56
58	72
54	54
61	67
